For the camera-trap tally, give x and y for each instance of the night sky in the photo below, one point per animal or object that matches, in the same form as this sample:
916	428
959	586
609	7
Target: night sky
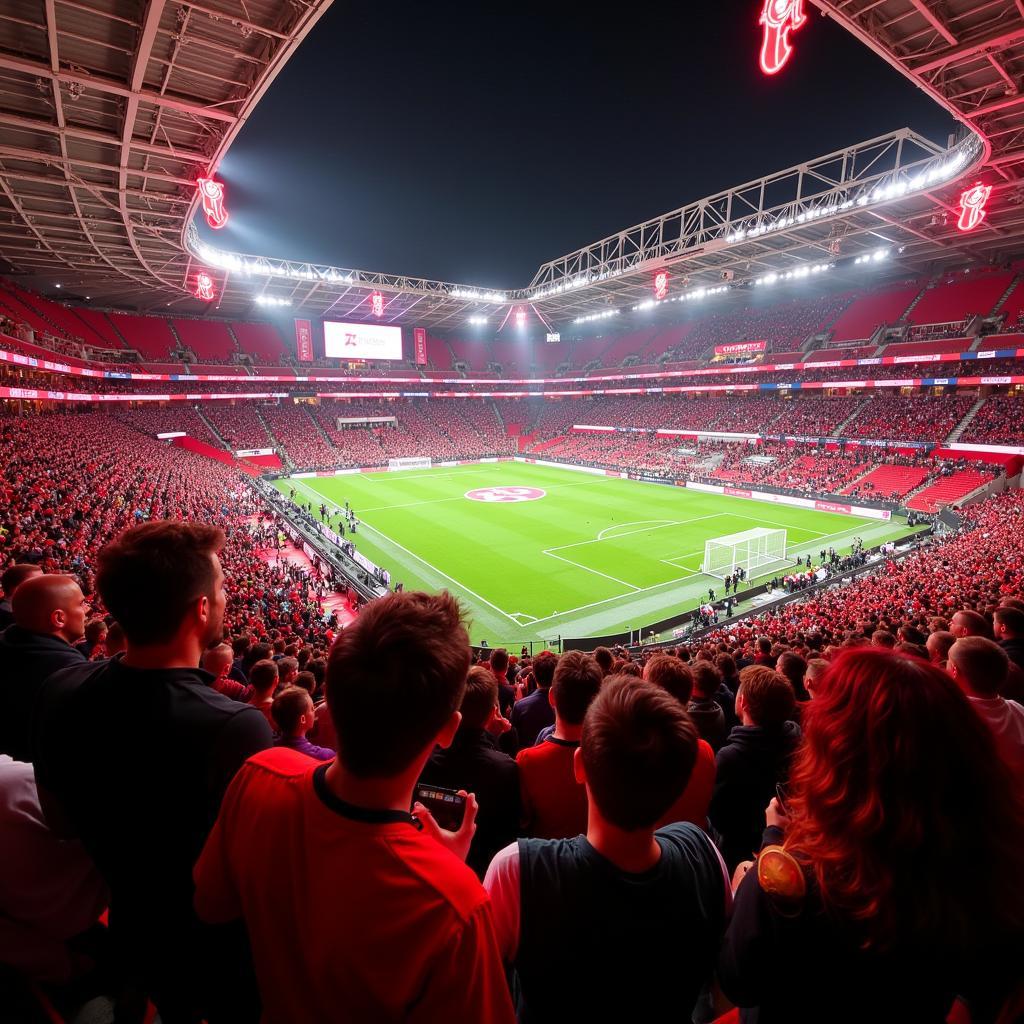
468	145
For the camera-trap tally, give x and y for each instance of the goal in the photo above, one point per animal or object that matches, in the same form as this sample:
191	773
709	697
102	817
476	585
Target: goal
757	551
410	463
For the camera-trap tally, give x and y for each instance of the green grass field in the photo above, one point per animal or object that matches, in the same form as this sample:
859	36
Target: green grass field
595	555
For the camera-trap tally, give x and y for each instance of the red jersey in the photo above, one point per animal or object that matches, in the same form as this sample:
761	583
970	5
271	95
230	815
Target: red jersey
554	803
352	914
694	801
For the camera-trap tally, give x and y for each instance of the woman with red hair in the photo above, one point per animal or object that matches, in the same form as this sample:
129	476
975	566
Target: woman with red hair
892	882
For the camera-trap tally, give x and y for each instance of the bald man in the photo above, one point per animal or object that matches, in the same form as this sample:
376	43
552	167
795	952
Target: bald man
218	661
12	578
969	623
980	667
49	618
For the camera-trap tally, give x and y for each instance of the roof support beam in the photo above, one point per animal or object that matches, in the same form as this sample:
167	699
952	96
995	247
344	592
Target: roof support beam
966	50
923	9
168	152
106	85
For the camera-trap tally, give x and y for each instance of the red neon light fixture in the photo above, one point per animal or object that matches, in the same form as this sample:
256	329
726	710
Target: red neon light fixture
204	287
661	285
377	304
779	18
212	195
972	206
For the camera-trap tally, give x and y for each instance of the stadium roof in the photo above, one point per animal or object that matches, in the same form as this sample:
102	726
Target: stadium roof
108	119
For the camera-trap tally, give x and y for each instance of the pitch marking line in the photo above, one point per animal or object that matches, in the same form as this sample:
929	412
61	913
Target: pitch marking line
645	523
664	522
586	568
418	558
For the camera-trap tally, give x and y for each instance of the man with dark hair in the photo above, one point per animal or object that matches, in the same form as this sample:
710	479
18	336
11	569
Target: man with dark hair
534	712
645	905
980	668
706	712
499	666
293	712
794	668
391	924
1008	624
764	653
473	763
134	754
554	804
672	675
12	578
691	803
605	659
287	670
263	679
49	613
753	761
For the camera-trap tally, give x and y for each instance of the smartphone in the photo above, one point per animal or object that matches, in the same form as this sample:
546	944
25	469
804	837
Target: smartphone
447	807
780	795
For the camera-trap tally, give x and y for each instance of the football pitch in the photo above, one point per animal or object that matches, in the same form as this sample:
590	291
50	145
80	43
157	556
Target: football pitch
539	552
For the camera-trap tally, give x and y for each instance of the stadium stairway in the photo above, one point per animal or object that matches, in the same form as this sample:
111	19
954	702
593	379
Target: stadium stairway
916	300
273	437
317	425
209	424
838	432
956	432
1011	288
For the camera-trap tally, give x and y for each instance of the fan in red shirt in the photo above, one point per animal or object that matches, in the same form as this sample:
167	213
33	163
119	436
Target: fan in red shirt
692	804
554	803
356	909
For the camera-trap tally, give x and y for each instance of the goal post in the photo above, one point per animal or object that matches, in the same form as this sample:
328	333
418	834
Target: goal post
409	463
756	551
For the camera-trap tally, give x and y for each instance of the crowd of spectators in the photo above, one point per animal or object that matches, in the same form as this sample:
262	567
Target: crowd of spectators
910	417
999	421
72	481
385	831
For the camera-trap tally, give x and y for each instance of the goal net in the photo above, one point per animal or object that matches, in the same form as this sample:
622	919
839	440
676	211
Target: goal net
410	463
757	551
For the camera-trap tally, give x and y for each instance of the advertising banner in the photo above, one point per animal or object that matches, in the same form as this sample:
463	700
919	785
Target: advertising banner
740	348
419	337
304	341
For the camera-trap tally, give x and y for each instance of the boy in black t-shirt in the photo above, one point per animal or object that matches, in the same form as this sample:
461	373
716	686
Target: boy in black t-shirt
647	908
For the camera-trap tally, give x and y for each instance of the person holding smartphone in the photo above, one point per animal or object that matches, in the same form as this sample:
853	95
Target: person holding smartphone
386	922
474	763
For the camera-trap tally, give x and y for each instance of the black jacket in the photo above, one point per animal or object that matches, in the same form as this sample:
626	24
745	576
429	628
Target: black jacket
747	770
530	715
26	660
1014	648
708	716
474	764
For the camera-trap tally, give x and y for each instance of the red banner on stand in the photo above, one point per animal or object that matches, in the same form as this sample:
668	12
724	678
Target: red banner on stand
741	348
304	341
419	337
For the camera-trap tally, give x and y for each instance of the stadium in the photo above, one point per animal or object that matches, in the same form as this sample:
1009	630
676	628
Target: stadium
686	573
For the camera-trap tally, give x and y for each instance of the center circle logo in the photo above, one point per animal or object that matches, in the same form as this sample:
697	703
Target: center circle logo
498	494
